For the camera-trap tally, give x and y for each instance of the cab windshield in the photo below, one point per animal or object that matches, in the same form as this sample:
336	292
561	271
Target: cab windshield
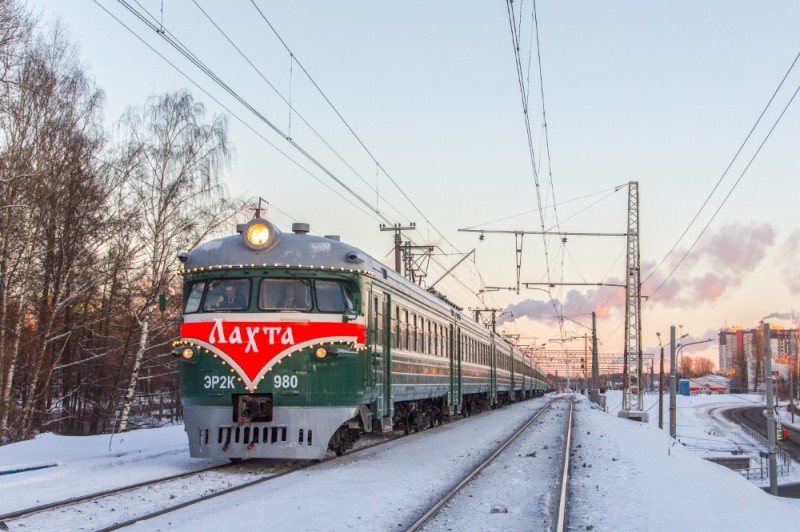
274	295
305	295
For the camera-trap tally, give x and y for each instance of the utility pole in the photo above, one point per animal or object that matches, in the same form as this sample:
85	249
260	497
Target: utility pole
672	382
398	243
773	462
661	388
633	403
595	363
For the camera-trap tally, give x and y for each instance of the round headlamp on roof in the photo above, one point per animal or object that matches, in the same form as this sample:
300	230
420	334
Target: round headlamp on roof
259	234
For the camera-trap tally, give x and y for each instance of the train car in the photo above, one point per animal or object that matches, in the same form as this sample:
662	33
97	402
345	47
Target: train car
292	345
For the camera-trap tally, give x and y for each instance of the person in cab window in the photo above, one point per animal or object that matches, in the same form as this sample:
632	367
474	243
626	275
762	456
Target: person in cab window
290	299
231	299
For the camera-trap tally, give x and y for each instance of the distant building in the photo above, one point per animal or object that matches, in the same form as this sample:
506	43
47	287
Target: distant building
738	354
709	384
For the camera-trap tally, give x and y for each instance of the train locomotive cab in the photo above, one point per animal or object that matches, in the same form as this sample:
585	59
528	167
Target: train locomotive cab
272	346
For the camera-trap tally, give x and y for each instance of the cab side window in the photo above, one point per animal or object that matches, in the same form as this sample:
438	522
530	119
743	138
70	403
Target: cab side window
329	297
194	298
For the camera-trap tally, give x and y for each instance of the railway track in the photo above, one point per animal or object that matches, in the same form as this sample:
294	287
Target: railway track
104	493
129	504
538	460
117	508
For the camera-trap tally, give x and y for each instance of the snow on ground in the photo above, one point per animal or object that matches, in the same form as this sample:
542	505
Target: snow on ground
89	464
636	477
502	496
626	476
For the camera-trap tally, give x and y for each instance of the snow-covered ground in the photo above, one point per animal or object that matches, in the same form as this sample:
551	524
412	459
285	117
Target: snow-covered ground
626	476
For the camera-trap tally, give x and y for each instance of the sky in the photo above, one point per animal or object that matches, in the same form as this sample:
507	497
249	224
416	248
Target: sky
669	484
662	94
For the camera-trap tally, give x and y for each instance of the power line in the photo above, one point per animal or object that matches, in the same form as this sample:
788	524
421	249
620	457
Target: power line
727	169
292	109
730	192
610	191
295	60
531	151
363	145
347	125
183	50
237	117
544	115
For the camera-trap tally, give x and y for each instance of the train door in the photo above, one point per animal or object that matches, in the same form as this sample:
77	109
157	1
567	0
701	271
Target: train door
387	410
374	340
459	357
513	380
492	373
454	354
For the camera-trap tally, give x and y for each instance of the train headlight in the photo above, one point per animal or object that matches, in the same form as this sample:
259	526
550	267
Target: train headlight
259	234
187	354
321	353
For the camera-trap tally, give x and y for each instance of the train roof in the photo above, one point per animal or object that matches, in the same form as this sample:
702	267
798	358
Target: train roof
302	250
291	249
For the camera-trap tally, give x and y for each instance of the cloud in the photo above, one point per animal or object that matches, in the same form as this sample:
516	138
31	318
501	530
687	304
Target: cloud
602	301
737	247
719	262
790	255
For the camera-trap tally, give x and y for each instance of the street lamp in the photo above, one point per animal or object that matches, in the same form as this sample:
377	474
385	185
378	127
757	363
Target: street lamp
661	385
673	377
661	381
681	346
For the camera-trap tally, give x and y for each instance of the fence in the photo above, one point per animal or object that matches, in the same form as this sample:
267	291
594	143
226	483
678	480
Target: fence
755	473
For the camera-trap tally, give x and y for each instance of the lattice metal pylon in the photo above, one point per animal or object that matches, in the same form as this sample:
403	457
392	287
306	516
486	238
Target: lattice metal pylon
632	389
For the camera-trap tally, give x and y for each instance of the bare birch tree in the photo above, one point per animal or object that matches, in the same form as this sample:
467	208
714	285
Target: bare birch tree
173	160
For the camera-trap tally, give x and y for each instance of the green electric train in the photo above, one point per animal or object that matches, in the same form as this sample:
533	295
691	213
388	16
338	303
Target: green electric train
293	344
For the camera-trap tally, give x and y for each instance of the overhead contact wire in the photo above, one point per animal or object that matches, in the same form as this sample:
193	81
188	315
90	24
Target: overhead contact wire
206	70
727	169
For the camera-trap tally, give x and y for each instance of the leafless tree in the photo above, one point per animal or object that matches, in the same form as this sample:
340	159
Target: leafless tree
16	28
89	233
54	119
173	160
702	366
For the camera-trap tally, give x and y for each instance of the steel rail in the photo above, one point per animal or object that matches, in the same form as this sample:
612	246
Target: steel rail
104	493
450	494
11	516
562	499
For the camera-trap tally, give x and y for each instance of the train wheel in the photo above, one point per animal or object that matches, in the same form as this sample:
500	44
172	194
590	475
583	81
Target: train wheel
342	440
419	422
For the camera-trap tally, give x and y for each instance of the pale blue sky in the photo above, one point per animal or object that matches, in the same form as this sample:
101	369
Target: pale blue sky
662	93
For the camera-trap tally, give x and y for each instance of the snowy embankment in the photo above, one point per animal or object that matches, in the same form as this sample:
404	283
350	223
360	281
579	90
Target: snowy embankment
626	476
632	476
